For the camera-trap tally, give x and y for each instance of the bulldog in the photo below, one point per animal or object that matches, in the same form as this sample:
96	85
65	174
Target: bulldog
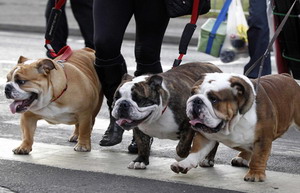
154	106
226	108
67	92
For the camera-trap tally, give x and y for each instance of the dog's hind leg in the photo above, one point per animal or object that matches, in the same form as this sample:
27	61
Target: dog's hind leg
74	137
242	159
209	160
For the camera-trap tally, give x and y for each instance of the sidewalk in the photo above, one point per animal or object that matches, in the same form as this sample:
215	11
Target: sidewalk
28	16
223	177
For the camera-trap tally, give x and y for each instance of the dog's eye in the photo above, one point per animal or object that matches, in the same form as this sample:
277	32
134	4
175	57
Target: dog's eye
20	82
213	99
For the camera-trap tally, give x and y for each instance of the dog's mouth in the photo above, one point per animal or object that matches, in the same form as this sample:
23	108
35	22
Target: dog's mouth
197	125
127	124
20	106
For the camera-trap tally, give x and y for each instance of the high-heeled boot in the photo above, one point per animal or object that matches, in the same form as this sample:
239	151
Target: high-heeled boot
110	74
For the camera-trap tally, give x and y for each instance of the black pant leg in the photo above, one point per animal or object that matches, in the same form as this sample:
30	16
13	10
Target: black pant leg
83	13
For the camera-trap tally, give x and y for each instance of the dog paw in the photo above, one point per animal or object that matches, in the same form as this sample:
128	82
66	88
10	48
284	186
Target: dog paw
207	163
239	162
82	148
137	165
22	150
179	167
255	176
73	139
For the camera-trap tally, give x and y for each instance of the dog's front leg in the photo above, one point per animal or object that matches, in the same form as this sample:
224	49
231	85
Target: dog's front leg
186	136
258	163
143	144
28	126
84	136
201	147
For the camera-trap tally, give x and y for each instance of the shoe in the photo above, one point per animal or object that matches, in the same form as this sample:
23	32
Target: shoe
113	135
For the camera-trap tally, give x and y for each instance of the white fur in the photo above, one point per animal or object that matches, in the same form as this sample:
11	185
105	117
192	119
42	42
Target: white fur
241	133
125	89
57	115
194	159
164	128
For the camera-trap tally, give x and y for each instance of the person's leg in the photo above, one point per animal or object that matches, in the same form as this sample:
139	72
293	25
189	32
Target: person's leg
83	13
111	19
150	29
258	37
151	23
62	31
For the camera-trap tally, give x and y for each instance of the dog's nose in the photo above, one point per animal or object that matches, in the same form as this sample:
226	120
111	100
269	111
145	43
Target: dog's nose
124	108
197	103
8	89
125	105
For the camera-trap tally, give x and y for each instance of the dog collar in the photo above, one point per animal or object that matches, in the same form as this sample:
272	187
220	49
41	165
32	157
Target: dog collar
63	89
60	94
164	109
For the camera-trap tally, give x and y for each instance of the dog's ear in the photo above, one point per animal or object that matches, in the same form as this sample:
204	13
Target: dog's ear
45	66
155	81
196	87
22	59
244	93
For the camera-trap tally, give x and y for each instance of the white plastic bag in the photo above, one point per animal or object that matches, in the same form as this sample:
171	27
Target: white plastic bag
236	43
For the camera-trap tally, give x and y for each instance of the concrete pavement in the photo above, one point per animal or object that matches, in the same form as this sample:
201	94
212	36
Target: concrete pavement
220	176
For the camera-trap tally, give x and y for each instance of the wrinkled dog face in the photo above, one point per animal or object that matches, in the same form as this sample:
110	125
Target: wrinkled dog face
217	99
138	101
25	84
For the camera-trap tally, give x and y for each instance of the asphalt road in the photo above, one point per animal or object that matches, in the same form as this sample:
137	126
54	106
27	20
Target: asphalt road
26	177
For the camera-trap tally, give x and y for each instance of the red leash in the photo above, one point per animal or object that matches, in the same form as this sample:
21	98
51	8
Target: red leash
187	33
50	31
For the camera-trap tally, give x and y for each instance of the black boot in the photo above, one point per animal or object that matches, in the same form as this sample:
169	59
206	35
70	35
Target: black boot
114	133
153	68
110	74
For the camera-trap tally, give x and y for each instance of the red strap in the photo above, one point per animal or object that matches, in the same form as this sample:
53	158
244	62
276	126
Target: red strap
59	4
195	15
65	53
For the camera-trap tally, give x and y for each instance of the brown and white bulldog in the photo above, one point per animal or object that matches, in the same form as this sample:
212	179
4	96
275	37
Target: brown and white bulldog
154	105
58	92
226	108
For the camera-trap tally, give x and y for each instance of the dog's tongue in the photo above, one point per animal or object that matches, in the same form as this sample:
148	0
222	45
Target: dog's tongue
195	121
13	106
121	122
